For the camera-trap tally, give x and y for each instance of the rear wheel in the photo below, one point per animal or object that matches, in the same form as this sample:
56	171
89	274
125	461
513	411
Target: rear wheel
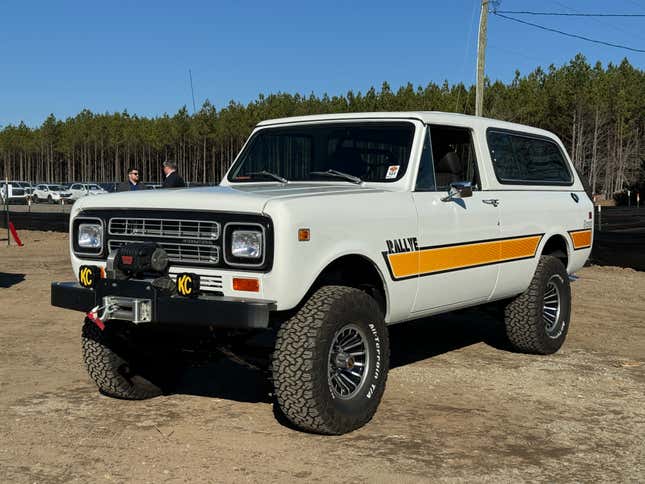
113	364
331	361
537	321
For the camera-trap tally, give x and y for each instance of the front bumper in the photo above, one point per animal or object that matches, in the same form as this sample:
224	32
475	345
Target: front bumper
204	310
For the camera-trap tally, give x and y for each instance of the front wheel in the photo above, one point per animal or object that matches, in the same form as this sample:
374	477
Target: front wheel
112	364
331	361
537	321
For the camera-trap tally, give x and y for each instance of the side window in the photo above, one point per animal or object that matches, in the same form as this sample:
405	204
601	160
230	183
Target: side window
75	186
526	159
425	178
453	153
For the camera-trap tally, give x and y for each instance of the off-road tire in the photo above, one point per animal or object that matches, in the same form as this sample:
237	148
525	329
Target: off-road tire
525	326
301	358
112	365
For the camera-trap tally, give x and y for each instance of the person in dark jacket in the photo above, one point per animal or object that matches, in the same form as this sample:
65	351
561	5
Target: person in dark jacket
132	183
172	178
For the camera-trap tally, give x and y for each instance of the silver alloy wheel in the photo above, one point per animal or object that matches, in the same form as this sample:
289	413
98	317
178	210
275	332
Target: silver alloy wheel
348	361
551	309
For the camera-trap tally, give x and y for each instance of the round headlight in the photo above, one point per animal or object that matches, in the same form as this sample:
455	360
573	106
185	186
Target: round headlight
246	244
90	236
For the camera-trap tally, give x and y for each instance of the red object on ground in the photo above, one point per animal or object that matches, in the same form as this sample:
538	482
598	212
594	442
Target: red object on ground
14	233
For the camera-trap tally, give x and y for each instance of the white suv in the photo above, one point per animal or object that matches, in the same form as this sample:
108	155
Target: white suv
50	193
326	230
79	190
13	192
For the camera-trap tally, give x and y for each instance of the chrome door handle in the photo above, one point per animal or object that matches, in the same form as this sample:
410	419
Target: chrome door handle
491	201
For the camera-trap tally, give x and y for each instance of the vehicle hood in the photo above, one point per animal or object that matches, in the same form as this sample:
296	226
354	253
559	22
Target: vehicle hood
236	198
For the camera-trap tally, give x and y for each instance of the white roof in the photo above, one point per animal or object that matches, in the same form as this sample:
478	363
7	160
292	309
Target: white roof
429	117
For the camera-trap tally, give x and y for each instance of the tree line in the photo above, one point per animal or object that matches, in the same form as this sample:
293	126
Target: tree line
598	111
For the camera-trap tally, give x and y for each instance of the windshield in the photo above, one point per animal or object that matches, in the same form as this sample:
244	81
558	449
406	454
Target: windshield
55	188
374	152
94	187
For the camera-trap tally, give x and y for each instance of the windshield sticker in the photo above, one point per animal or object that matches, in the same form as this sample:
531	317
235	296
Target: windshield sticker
392	171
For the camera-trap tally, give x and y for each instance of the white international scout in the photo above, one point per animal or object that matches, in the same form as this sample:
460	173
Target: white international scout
325	230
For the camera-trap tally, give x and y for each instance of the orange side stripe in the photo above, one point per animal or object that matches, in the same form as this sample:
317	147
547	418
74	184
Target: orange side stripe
581	238
519	248
462	256
458	256
404	264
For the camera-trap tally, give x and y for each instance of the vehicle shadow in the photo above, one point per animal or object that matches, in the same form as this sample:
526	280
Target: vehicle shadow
8	279
425	338
410	342
225	379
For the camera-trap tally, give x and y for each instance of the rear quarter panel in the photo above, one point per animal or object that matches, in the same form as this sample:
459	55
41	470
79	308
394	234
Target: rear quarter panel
538	209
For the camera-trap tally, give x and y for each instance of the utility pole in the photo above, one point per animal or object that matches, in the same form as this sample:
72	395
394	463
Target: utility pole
192	92
481	59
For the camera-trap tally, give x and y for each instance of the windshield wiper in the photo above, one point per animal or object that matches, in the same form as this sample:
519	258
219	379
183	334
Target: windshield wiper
275	176
338	174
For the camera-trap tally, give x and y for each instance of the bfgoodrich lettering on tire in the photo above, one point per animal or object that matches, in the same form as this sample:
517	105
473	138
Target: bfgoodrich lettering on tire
331	361
537	321
112	365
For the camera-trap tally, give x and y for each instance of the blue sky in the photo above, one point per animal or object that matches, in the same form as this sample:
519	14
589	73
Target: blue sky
62	56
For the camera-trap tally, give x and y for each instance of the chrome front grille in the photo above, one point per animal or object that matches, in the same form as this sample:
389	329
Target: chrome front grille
166	228
179	251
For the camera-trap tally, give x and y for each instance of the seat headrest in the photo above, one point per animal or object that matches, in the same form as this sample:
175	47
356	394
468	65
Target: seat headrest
450	163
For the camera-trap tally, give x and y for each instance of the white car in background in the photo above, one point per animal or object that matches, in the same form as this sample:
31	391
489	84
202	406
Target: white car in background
29	188
79	190
50	193
13	191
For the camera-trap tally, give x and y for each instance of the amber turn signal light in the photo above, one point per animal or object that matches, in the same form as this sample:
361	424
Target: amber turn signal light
244	284
304	235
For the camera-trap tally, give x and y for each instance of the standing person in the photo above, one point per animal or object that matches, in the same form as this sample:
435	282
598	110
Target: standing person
172	178
132	183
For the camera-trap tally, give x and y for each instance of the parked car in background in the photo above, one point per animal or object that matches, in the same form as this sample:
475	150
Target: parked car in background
29	188
95	189
79	190
13	192
50	193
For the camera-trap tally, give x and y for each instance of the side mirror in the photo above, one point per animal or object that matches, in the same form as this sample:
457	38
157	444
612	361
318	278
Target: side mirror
459	190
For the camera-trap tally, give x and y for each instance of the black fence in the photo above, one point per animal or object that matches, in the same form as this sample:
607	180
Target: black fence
54	221
619	238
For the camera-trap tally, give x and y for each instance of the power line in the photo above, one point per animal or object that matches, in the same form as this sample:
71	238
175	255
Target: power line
575	36
561	14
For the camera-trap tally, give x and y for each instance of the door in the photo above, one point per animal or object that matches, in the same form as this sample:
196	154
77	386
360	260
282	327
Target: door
458	238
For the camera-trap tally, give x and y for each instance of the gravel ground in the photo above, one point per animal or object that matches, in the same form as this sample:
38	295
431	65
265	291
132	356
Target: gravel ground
458	406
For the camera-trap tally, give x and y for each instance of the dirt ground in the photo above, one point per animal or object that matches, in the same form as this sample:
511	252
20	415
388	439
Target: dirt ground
458	405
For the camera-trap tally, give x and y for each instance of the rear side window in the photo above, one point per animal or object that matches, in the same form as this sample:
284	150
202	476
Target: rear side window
524	159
